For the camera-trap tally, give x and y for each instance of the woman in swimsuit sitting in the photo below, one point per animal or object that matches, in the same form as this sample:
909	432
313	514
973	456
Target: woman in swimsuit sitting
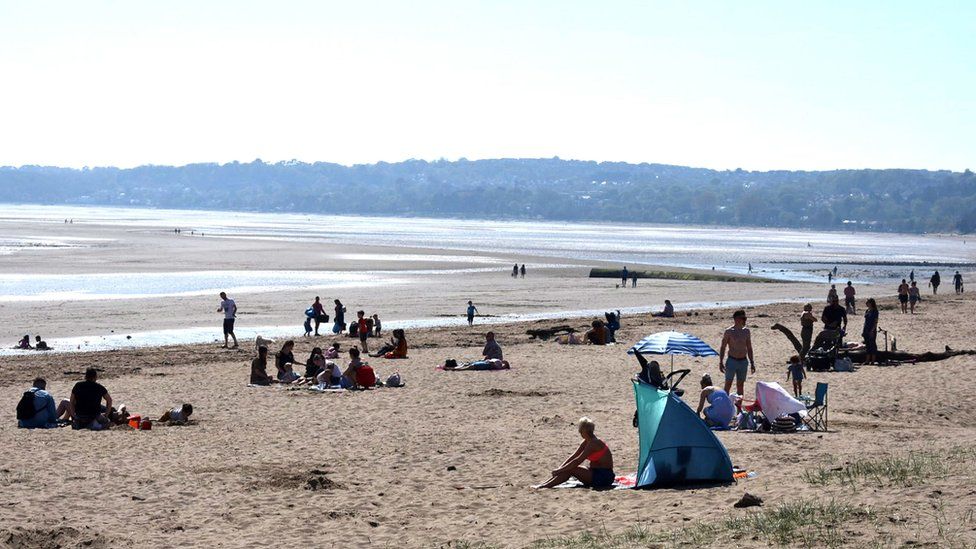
600	472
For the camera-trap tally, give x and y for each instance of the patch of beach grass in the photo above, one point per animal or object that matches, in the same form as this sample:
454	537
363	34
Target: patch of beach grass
806	523
905	470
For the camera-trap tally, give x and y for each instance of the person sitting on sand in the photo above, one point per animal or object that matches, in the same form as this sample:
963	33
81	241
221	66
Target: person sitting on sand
668	311
597	335
720	411
86	403
358	374
40	412
259	368
40	344
493	359
395	348
492	350
24	343
807	320
314	365
794	369
612	325
600	472
331	375
332	352
178	415
285	363
650	371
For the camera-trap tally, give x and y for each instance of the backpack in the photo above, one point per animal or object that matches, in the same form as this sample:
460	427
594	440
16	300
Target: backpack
25	408
394	380
365	376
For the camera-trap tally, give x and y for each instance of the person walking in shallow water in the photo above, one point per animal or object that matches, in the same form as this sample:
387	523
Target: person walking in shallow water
623	277
472	310
515	271
522	270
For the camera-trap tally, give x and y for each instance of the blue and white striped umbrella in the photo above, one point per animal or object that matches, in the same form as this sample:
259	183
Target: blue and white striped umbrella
672	343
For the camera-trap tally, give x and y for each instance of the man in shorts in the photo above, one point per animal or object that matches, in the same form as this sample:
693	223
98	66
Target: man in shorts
849	301
738	342
903	290
229	308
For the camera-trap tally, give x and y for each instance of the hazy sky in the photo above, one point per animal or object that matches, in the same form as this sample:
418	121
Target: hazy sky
721	84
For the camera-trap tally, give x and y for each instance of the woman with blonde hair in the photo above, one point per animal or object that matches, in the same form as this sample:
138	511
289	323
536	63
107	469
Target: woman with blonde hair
600	472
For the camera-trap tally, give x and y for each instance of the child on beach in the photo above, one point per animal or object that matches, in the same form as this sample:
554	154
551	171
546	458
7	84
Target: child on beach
308	326
795	369
472	310
332	352
377	327
178	415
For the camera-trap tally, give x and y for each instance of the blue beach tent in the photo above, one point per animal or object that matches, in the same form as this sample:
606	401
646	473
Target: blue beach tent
676	447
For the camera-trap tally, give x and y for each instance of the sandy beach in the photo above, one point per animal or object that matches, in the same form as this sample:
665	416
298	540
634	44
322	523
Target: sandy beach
449	459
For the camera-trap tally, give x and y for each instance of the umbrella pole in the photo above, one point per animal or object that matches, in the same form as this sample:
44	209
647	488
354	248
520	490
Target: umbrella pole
672	364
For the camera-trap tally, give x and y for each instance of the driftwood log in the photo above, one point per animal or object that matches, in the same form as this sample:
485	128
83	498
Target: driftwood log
858	356
546	334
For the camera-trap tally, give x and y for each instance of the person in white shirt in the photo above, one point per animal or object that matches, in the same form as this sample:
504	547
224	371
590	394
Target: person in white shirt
229	308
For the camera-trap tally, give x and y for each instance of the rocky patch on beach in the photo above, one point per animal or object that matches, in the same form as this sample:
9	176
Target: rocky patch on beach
61	537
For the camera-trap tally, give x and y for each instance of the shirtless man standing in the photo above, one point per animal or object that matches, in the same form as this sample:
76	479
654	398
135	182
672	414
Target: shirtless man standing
738	341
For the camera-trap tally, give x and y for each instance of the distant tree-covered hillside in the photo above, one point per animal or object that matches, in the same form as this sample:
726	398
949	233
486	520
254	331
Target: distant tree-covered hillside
888	200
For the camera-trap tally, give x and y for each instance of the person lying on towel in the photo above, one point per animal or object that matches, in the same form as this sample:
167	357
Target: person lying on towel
600	472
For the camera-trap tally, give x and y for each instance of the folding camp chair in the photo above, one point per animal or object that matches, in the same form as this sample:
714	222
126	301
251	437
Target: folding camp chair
816	419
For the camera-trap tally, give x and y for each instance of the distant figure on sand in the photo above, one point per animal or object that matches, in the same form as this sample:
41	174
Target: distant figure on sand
737	340
600	472
807	320
668	311
832	293
914	296
24	343
870	332
86	403
37	409
40	344
934	282
229	308
623	277
957	282
319	312
377	326
830	277
903	295
720	411
340	318
515	271
472	310
633	280
522	270
849	302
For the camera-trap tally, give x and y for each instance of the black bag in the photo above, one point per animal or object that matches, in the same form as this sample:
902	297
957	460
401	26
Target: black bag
323	319
25	408
450	363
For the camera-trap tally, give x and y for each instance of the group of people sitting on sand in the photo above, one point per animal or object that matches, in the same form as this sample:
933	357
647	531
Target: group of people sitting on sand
25	344
38	409
321	368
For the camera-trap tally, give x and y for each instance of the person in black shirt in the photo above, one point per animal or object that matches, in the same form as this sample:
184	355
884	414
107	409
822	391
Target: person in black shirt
834	315
259	368
86	403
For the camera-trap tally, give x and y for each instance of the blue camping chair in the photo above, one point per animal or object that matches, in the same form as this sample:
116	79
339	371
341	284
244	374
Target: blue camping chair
816	419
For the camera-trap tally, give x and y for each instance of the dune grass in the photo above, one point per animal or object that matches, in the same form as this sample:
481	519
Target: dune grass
806	522
904	470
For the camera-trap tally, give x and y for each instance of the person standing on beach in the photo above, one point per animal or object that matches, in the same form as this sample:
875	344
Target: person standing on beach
522	270
229	308
737	340
319	311
870	332
957	282
633	279
849	301
515	271
623	277
362	328
911	275
807	320
340	318
914	296
830	277
832	293
903	295
934	282
472	310
834	317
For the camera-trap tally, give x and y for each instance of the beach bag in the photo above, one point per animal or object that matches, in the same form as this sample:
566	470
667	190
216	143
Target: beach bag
310	312
365	376
25	408
394	380
843	365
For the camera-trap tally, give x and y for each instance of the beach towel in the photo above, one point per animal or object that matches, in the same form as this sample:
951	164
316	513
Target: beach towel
620	482
775	401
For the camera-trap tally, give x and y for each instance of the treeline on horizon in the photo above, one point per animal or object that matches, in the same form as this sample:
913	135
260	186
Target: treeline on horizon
538	189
